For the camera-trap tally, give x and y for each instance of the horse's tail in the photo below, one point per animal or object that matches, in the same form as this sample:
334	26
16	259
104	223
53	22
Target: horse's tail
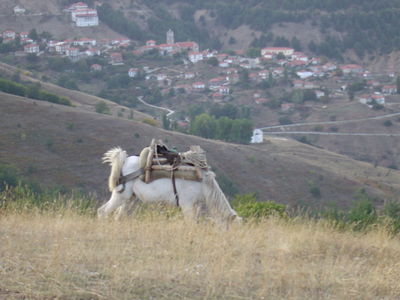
116	158
215	199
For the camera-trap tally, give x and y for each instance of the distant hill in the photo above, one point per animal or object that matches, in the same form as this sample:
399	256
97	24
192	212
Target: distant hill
355	30
62	146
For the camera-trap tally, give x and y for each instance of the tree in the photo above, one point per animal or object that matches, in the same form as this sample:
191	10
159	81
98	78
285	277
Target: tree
232	41
204	125
102	108
165	122
295	42
253	52
32	58
350	93
213	61
33	35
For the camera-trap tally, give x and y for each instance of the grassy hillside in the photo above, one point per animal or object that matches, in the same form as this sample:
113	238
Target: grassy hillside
58	145
82	101
70	256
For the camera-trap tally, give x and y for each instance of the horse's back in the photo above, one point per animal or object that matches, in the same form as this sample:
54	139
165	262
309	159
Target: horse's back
131	164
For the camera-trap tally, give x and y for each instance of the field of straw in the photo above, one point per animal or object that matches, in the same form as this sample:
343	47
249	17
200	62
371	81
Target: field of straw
70	256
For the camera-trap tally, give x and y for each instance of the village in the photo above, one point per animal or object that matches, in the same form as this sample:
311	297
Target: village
216	76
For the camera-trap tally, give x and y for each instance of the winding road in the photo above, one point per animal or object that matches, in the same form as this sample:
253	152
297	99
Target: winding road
170	111
283	127
332	122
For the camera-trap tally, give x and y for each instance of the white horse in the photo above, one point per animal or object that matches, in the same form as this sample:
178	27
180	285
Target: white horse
194	196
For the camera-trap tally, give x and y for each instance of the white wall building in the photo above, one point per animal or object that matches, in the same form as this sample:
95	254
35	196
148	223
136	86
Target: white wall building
258	136
19	10
31	48
87	19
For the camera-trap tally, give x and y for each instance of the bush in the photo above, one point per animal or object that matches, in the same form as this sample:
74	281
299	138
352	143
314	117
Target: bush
388	123
248	207
314	189
149	121
8	176
102	108
363	213
27	198
32	91
391	212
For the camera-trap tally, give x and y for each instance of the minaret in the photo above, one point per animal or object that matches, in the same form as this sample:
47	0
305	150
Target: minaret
170	37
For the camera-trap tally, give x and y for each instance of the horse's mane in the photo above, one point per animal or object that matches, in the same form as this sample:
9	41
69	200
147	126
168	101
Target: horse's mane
215	199
115	157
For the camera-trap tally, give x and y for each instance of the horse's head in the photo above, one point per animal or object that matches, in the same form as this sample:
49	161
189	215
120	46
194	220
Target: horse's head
235	219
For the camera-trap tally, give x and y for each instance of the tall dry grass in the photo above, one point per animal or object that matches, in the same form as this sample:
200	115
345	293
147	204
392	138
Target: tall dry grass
70	256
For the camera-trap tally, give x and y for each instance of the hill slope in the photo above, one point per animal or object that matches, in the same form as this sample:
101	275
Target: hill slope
59	145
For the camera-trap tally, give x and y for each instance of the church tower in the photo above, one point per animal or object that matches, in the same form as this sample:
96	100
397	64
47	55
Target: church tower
170	37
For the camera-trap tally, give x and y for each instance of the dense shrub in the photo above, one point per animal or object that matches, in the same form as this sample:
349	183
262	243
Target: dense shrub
149	121
25	198
102	108
32	91
248	207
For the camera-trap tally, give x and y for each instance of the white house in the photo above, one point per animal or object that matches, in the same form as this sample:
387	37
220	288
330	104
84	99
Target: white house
92	52
224	90
87	19
300	56
189	75
166	48
389	89
199	86
133	72
31	48
25	41
23	35
304	74
276	50
190	46
8	34
151	43
380	99
319	93
257	137
19	10
77	5
351	69
116	58
195	57
96	67
264	74
161	77
72	52
367	99
61	47
85	42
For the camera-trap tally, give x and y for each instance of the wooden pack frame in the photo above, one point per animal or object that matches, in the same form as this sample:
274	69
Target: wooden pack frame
163	164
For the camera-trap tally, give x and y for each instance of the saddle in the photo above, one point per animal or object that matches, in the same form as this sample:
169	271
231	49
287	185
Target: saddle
158	161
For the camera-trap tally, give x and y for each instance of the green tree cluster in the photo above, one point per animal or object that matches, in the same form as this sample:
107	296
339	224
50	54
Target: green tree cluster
32	91
224	128
249	208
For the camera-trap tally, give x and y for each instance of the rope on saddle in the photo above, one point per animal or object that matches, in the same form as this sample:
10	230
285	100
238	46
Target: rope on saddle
175	164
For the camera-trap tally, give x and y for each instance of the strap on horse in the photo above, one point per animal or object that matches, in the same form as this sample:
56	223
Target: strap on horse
175	164
123	179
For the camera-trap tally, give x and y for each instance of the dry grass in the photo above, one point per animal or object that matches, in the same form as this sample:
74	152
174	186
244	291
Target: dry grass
78	257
